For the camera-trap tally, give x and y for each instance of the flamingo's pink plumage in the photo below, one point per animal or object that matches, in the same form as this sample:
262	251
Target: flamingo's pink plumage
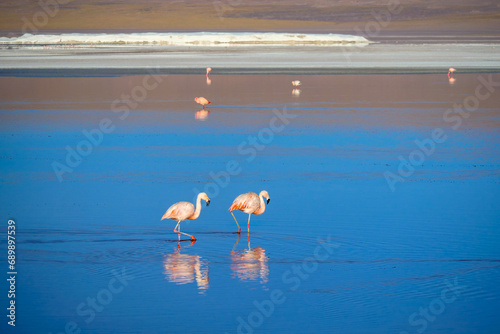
250	203
184	210
450	72
201	100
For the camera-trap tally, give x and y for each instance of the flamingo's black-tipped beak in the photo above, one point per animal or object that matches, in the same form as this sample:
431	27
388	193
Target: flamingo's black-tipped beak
268	200
208	202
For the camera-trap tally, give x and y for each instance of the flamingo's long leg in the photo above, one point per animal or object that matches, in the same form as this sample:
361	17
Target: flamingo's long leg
175	229
189	235
179	232
248	225
239	228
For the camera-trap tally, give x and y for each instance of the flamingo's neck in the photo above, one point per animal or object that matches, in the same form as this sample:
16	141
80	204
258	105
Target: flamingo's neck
196	213
262	207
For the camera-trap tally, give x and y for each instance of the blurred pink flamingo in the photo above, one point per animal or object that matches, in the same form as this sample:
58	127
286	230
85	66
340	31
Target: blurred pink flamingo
209	81
450	72
201	100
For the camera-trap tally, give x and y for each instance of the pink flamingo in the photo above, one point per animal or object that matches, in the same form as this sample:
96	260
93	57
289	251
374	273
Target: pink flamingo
184	210
450	72
201	100
209	81
249	203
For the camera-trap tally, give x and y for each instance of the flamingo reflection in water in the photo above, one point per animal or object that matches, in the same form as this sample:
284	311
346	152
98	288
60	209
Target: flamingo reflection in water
183	269
201	115
250	264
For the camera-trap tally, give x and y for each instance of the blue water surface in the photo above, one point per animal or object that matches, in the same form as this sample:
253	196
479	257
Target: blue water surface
337	249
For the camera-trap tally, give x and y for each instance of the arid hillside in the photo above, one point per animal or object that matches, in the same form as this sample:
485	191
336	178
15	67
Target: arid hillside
401	18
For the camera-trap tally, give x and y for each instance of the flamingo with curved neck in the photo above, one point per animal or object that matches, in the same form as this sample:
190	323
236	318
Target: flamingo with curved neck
250	203
184	210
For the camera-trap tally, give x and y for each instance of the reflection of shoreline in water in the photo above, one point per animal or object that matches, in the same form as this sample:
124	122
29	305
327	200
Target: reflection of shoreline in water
250	264
184	268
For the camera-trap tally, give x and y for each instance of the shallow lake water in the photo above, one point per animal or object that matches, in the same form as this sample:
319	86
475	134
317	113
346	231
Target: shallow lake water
352	241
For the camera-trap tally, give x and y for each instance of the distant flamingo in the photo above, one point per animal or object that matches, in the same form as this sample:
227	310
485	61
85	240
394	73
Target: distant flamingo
184	210
296	83
249	203
201	100
450	72
209	81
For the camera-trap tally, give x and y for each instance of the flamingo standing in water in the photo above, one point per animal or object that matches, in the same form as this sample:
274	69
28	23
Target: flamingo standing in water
209	81
184	210
296	83
201	100
450	72
249	203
